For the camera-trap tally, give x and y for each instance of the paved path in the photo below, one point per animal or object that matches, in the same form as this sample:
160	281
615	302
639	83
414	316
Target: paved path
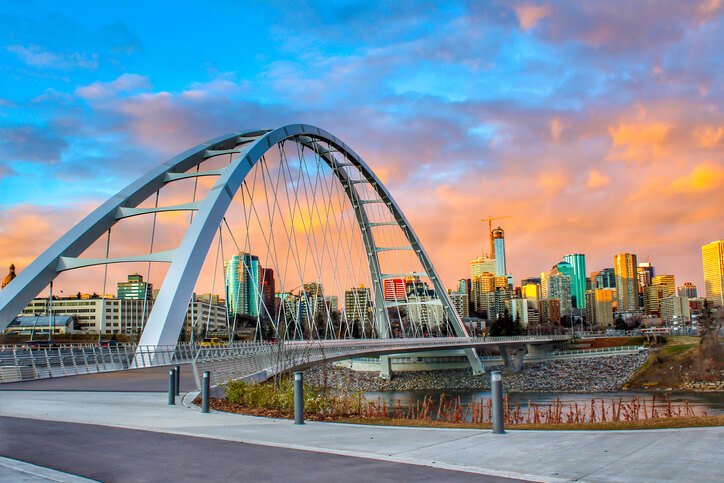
119	455
659	455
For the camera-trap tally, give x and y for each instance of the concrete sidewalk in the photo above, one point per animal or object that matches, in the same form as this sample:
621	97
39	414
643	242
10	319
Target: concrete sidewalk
656	455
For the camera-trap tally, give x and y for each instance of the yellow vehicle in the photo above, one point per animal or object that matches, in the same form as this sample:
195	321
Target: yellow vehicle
213	342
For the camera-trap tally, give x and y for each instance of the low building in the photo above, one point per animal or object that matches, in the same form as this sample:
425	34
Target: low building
43	324
675	310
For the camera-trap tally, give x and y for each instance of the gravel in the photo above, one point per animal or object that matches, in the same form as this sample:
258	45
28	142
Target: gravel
593	374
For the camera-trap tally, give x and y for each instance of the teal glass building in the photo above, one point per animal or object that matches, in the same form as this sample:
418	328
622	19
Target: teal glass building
578	278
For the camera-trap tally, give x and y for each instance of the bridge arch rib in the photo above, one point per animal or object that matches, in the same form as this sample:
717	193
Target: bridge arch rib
167	316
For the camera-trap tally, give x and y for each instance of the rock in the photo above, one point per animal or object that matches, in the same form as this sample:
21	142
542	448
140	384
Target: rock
593	374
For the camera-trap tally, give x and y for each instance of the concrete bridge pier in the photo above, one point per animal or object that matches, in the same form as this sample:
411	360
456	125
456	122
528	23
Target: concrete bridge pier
513	357
540	349
386	367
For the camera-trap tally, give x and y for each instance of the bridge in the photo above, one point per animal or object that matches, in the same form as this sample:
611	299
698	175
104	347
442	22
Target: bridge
301	209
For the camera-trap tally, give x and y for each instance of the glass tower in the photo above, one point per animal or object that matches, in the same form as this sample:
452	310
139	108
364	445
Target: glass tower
243	285
499	245
578	278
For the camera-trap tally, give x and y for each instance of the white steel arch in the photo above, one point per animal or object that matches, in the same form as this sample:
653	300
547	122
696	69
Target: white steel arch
166	319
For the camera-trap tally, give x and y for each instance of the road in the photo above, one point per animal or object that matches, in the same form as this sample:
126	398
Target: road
119	455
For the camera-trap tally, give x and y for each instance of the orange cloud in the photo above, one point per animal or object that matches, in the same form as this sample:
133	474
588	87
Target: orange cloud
597	180
552	183
530	15
640	142
703	178
709	136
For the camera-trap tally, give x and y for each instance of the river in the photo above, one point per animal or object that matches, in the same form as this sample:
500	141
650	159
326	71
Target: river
711	403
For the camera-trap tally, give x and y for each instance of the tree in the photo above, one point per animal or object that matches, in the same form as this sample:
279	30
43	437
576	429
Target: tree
621	324
505	326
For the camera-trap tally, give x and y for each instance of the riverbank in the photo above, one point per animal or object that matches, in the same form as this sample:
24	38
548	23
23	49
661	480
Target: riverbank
595	374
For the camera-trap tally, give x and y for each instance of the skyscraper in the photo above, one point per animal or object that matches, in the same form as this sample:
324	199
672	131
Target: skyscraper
482	265
606	278
687	290
358	305
243	285
578	281
645	273
627	287
499	245
394	289
712	257
667	281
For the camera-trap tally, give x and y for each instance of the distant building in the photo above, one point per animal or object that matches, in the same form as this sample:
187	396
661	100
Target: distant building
687	290
394	289
556	284
482	265
530	291
358	305
653	295
625	266
599	307
712	256
605	278
667	281
578	278
550	311
461	303
499	245
518	309
675	310
35	325
243	285
645	273
135	288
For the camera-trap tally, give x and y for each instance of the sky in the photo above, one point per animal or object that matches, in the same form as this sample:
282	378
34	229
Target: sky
597	126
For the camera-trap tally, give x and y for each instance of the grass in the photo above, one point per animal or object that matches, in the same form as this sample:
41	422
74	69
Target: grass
659	423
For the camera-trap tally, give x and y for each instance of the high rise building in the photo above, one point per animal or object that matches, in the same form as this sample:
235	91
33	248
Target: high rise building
530	291
627	287
645	273
712	256
556	284
268	289
675	310
482	265
578	279
243	285
687	290
667	281
135	289
460	302
518	310
499	245
606	278
550	311
394	289
653	295
358	305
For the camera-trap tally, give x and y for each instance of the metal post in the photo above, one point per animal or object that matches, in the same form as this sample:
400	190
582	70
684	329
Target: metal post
205	386
496	393
298	398
177	369
171	387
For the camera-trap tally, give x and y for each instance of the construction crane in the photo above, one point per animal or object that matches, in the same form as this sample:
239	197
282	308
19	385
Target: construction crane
490	230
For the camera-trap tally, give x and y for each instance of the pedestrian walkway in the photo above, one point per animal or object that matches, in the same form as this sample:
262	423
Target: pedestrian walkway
14	471
657	455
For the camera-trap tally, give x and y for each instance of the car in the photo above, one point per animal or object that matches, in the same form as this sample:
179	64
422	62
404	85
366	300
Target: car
213	342
40	344
108	343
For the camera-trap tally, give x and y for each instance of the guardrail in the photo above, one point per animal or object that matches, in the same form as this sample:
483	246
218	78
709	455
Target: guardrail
236	360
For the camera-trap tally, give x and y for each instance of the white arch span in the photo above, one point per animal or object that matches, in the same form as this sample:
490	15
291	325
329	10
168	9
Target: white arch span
167	316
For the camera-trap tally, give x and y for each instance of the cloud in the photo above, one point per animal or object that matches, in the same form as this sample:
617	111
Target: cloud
122	85
702	179
710	136
556	129
640	142
30	143
597	180
36	56
529	15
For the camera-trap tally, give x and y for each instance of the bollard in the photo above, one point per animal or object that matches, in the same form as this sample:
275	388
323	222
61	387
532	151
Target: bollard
171	387
298	398
496	393
205	387
178	380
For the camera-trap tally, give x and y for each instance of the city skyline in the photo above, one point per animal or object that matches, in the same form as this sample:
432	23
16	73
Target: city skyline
618	155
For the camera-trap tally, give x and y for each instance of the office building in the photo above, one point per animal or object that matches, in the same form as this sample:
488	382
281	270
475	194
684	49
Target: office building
645	273
461	303
482	265
499	246
530	291
577	261
599	309
687	290
550	311
653	295
243	285
394	289
627	287
667	281
518	310
605	278
712	256
135	288
358	305
675	310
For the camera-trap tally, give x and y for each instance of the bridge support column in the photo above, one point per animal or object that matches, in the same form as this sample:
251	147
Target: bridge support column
513	362
385	368
475	363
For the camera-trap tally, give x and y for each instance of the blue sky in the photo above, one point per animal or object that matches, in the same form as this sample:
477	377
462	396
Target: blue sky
571	116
